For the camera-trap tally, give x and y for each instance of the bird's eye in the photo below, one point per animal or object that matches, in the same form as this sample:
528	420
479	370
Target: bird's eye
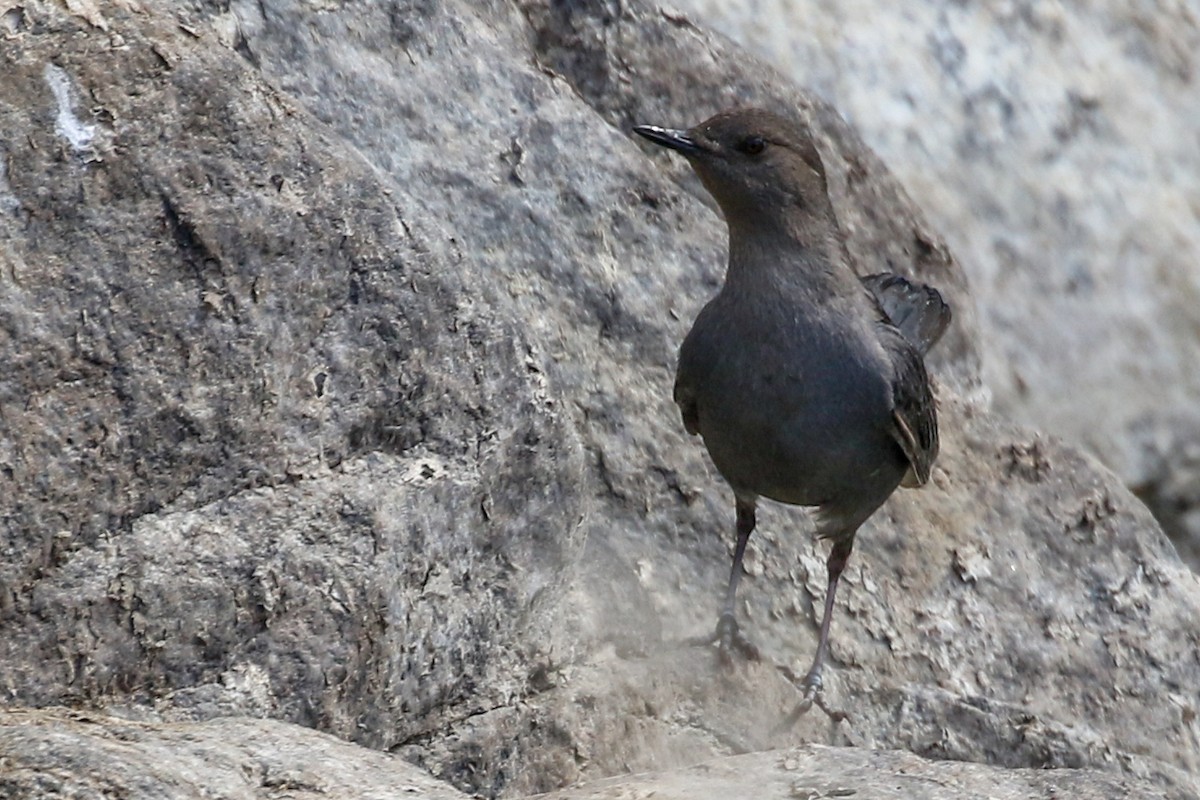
752	145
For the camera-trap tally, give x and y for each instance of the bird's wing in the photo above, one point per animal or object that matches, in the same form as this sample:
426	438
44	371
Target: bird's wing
914	411
685	398
697	354
688	375
917	310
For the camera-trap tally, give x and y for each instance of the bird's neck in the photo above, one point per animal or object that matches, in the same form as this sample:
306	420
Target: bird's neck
802	257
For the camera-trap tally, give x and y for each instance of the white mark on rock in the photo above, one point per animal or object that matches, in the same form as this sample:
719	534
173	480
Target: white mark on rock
90	11
78	134
972	562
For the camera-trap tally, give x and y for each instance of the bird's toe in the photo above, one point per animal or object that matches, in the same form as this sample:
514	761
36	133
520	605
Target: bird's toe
812	694
731	643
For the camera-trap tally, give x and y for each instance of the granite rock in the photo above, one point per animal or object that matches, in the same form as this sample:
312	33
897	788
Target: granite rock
338	351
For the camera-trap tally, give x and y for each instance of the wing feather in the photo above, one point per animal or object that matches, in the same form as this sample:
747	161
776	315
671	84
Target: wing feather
914	411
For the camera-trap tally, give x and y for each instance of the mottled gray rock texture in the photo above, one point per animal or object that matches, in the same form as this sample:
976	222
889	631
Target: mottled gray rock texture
338	344
60	753
1053	144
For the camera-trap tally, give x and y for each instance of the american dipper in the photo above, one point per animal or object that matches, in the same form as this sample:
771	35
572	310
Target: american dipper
806	382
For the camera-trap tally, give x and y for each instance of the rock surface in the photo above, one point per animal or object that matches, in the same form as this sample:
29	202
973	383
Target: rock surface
58	753
259	759
339	344
258	433
815	772
262	759
1054	146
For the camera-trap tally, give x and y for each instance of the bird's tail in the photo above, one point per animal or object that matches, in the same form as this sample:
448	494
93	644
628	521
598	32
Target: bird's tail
916	309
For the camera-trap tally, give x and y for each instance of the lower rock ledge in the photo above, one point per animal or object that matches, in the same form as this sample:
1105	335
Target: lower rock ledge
817	772
62	753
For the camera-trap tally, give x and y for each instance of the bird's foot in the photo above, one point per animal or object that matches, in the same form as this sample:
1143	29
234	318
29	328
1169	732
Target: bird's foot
729	640
811	686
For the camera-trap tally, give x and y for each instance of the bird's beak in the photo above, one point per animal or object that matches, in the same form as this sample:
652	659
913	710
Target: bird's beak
676	140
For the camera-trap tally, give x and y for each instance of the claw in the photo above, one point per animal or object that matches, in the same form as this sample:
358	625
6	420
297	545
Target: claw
813	696
729	639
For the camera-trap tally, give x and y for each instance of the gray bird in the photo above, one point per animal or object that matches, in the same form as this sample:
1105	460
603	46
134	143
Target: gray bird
806	383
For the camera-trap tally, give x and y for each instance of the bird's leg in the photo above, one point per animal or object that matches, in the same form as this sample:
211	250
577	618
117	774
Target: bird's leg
728	633
811	684
728	636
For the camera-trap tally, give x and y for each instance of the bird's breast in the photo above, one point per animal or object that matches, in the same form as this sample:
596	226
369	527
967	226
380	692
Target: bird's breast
791	408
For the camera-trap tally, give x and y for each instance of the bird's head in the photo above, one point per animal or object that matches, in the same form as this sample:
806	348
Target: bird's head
758	166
